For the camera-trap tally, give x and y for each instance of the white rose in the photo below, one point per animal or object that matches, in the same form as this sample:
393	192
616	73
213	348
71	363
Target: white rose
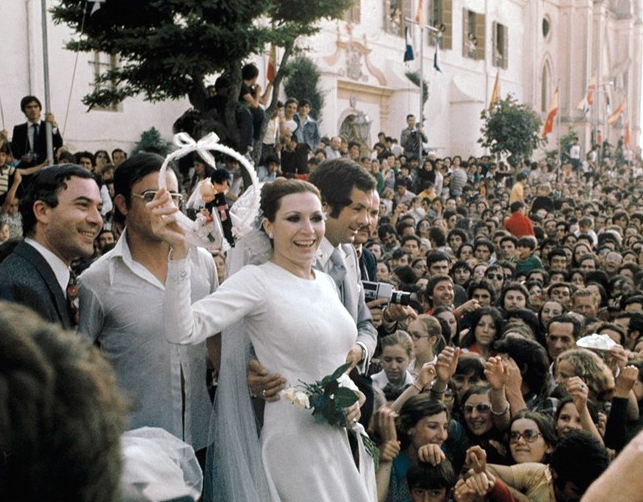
301	400
290	394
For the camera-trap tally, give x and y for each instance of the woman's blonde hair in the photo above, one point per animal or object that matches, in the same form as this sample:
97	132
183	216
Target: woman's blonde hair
592	370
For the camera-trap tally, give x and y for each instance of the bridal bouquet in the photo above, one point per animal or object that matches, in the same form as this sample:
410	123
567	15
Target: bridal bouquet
327	397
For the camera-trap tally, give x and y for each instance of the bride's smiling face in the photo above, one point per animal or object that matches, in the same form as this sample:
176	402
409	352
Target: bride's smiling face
297	230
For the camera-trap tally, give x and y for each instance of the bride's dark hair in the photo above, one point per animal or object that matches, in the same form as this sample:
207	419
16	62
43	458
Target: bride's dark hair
272	193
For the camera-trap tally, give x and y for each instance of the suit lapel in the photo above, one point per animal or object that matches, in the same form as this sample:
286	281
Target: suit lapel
47	275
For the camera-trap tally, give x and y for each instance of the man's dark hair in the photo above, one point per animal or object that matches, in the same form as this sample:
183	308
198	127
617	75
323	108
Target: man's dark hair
578	458
515	206
526	242
336	179
413	237
119	150
435	256
29	99
437	236
566	319
522	175
431	477
130	172
481	284
85	155
249	71
530	357
46	185
61	417
304	102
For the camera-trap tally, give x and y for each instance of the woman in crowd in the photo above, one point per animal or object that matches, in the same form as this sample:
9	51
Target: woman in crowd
486	327
532	437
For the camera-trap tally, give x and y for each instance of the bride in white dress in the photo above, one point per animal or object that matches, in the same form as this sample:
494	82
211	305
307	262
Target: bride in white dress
298	328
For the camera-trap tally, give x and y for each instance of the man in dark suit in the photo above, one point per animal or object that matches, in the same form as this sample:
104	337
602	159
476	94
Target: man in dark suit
60	220
29	140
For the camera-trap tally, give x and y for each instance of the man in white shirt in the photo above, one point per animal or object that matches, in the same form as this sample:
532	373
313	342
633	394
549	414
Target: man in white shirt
121	300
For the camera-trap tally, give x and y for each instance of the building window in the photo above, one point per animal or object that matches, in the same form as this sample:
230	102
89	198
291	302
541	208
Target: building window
103	63
473	32
500	45
395	13
546	27
441	17
353	13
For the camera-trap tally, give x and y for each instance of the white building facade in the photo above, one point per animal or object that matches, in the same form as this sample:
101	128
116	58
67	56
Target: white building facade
532	46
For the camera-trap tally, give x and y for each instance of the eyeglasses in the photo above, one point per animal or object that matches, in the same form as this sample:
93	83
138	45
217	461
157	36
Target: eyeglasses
148	196
495	276
530	435
481	408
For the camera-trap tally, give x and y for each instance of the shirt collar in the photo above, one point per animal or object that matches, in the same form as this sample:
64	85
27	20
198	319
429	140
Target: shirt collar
122	254
59	267
324	252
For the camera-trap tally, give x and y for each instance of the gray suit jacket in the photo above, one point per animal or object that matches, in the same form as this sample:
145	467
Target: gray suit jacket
353	297
27	278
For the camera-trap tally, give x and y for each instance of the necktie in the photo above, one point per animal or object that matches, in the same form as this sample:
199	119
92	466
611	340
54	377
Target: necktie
35	137
72	298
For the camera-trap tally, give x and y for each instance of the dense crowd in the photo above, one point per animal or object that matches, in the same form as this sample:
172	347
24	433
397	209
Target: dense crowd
480	390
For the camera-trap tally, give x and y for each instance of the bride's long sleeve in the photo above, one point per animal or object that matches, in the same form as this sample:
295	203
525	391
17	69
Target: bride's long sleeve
188	324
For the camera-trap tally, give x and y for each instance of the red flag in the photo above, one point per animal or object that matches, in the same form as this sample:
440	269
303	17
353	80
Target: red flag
272	64
495	94
548	126
611	120
626	136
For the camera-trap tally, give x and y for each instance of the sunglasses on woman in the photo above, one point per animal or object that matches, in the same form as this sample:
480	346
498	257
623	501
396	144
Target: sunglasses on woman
480	408
495	276
530	435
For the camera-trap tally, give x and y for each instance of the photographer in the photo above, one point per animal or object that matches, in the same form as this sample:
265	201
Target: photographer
412	137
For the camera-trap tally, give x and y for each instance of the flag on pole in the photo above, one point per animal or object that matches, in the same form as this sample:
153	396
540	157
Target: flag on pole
626	136
272	64
436	57
408	53
588	99
420	18
548	126
611	120
495	94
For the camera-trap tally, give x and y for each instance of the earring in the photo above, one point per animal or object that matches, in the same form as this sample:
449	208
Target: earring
269	235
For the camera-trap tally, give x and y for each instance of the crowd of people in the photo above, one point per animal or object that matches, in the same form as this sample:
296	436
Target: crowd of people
481	278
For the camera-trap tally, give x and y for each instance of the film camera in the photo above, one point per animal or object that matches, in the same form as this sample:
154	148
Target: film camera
376	290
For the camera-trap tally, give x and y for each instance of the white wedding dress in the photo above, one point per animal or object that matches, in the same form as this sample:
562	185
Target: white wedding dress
299	329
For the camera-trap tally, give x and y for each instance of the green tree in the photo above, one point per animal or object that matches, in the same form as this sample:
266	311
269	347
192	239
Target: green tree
302	83
152	142
167	48
510	128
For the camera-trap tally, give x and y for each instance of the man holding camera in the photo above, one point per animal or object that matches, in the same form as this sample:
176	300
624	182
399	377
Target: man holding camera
29	140
412	137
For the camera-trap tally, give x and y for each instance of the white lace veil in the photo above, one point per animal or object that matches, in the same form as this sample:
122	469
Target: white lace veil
234	470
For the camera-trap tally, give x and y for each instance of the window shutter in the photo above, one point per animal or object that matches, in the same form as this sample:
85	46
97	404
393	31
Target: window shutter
447	20
480	36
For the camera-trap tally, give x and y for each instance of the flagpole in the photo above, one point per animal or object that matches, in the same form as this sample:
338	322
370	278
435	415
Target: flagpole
560	143
45	57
